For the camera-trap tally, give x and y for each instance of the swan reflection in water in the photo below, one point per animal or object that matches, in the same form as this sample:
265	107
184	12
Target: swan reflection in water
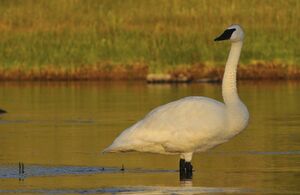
186	182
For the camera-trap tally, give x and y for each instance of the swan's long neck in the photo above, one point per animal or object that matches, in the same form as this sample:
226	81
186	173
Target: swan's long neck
229	89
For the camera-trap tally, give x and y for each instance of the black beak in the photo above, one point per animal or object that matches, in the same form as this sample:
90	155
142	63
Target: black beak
225	35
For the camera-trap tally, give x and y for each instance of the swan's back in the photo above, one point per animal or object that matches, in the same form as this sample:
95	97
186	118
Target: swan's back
184	125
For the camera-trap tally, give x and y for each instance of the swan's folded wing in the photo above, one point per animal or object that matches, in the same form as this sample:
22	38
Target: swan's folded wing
169	128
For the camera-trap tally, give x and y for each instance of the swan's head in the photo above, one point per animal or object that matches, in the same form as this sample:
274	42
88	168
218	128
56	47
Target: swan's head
234	33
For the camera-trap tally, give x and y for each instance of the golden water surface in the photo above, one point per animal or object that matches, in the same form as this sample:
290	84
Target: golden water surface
67	124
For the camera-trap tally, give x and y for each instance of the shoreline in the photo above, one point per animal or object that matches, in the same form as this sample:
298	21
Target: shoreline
179	74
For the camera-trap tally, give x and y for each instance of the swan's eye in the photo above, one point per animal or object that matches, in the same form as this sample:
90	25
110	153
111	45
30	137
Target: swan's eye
225	35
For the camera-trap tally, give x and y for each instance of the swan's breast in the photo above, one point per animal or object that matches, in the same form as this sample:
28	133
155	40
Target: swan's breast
238	117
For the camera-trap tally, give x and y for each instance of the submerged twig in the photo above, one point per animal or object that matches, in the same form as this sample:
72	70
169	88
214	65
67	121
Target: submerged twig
122	169
21	171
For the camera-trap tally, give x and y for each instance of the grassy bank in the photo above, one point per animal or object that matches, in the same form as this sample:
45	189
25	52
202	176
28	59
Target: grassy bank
195	73
64	37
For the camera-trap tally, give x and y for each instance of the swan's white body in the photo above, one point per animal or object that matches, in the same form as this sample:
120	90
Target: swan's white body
191	124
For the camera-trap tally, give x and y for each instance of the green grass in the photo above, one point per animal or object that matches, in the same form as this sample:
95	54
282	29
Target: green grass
159	33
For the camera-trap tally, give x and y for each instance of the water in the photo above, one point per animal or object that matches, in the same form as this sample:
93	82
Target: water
58	129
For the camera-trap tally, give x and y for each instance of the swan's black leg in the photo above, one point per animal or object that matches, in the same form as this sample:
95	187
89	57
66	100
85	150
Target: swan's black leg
188	170
185	170
182	169
182	165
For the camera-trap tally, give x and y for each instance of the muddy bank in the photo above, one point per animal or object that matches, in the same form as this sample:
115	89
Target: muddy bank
85	72
195	73
203	73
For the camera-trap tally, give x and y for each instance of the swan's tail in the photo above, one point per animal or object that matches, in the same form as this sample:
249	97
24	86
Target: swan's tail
107	150
111	149
117	148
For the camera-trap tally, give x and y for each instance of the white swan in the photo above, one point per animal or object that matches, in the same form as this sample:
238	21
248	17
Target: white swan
191	124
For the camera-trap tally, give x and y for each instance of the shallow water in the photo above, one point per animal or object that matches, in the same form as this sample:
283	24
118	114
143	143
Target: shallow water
58	129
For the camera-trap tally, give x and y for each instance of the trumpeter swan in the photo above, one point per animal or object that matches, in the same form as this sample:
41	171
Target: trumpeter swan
191	124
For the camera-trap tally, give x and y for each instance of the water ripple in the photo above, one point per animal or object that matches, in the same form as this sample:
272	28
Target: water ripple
150	190
134	190
36	170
